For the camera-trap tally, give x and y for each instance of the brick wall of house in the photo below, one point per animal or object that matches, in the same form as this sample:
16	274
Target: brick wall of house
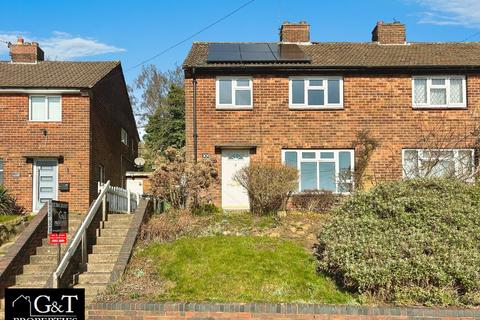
70	138
111	111
380	103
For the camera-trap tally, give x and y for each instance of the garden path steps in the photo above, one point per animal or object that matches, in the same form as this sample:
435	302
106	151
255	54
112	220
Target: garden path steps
104	255
44	262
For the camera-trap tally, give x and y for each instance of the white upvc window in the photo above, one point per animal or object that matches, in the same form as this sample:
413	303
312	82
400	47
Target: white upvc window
316	92
439	92
234	93
329	170
124	137
45	108
457	163
1	172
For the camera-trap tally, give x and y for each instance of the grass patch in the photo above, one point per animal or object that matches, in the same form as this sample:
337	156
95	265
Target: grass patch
242	268
8	217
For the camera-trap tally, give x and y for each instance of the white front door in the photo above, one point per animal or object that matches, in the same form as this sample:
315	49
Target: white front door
44	182
234	196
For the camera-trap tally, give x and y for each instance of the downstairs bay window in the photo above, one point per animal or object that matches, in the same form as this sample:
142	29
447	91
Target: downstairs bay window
329	170
458	163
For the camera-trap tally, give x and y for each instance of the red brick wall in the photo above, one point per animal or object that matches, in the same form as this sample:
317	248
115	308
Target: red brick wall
183	311
295	32
380	103
70	138
111	111
389	33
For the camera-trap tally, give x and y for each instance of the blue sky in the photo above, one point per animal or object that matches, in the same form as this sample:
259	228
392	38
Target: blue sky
132	31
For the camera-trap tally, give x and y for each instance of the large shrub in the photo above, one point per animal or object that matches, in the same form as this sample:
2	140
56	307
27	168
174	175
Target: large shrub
407	242
268	186
183	183
315	201
8	203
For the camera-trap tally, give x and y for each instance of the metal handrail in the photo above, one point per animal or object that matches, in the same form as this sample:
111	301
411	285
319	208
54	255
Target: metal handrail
80	235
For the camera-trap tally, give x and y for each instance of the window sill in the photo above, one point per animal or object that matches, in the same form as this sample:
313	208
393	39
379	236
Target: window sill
42	121
439	107
315	108
233	108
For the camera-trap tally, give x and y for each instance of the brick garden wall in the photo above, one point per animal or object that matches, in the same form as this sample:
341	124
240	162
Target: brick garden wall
69	138
380	103
204	311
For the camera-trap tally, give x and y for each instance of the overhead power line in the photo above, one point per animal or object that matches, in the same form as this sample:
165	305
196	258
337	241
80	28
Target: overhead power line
191	36
471	36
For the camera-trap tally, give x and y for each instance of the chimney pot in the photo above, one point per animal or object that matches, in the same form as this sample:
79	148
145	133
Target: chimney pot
20	40
295	32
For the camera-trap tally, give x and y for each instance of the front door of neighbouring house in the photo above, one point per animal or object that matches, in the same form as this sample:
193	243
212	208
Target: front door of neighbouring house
44	182
234	196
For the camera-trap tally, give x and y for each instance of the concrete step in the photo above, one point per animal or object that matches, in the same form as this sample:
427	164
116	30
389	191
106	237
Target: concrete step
49	249
113	232
91	290
116	224
110	240
94	278
33	280
119	217
102	258
106	248
100	267
43	259
39	268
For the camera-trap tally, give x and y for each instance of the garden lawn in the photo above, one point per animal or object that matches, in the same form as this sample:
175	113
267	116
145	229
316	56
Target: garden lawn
236	269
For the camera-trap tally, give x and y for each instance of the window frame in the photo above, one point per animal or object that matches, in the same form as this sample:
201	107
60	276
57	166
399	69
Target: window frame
2	171
420	157
122	132
233	106
447	86
306	87
46	96
318	159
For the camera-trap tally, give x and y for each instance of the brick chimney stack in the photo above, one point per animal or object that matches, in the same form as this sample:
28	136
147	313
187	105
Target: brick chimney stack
25	52
389	33
295	32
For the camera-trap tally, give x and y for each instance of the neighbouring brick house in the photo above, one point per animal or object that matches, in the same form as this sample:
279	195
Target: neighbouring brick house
303	103
64	126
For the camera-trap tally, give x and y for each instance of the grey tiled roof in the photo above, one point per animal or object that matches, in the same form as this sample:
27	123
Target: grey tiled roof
53	74
364	55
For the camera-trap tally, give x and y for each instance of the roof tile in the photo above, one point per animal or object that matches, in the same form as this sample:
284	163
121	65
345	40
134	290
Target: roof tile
54	74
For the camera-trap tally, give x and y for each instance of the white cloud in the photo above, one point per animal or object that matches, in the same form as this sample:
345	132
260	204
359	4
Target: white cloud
63	46
451	12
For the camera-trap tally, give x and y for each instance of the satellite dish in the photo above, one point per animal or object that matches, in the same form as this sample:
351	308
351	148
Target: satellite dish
139	161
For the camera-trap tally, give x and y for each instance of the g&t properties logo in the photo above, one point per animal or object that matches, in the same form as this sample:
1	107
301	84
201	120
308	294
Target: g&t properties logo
44	304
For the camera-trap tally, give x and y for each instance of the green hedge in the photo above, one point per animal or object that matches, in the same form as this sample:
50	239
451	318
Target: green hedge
408	242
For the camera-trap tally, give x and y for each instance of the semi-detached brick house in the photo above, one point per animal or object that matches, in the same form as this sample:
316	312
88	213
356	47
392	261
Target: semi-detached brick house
64	126
302	103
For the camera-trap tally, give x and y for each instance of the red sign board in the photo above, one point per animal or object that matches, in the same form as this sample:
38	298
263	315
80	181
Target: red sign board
56	238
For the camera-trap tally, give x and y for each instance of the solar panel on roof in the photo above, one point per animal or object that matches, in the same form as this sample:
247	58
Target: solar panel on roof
255	52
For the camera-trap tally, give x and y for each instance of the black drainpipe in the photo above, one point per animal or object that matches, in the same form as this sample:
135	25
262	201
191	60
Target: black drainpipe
195	135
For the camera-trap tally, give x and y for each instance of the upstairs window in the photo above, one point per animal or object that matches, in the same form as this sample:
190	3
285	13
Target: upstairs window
1	171
45	108
439	92
234	93
329	170
316	92
124	137
447	163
